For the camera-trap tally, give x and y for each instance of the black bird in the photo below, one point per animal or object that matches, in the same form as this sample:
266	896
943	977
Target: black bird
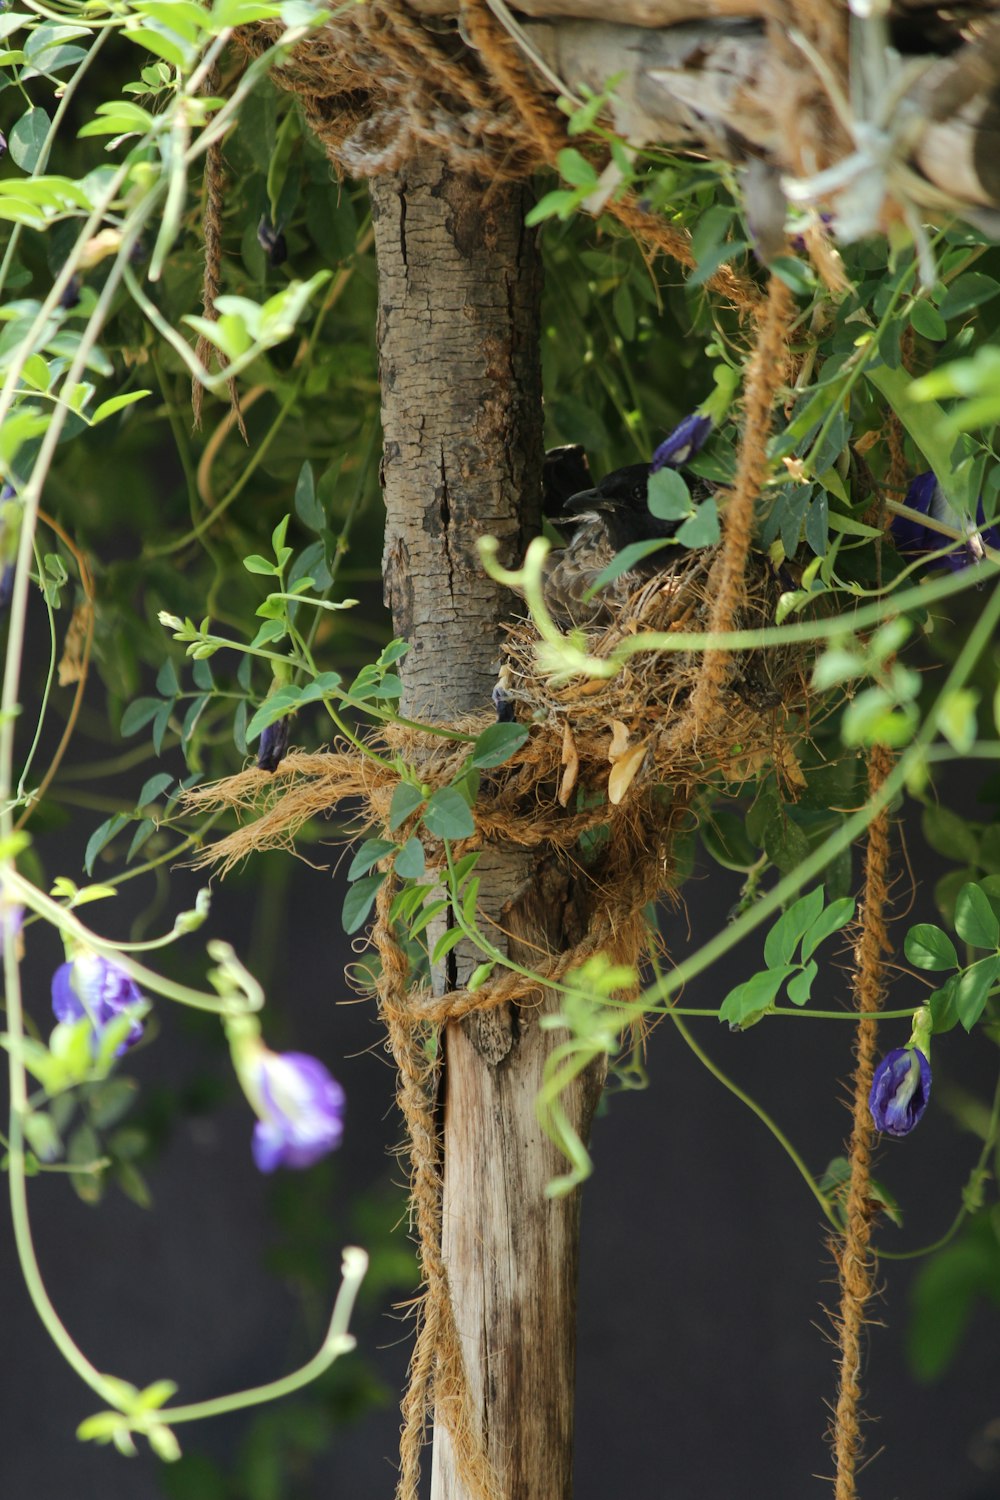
604	519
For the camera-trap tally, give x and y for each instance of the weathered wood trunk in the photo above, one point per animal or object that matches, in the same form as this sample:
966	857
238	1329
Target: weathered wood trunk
459	284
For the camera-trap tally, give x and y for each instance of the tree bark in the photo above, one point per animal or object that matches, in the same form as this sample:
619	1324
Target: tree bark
459	284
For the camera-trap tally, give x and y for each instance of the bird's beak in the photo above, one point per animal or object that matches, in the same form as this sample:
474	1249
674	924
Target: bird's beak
584	501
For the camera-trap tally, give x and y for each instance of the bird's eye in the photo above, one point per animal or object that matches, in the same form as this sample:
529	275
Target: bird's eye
639	492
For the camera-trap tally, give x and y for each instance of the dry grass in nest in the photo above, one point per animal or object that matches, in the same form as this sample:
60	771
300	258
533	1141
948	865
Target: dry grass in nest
598	750
603	720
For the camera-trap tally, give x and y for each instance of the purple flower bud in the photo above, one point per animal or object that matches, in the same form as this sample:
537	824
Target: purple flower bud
301	1109
687	438
3	143
10	525
92	986
11	919
272	242
913	540
900	1090
71	293
273	745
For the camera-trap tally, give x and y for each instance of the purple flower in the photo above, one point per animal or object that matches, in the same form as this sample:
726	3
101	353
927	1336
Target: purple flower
273	745
913	540
301	1109
10	518
92	986
683	443
272	242
70	297
900	1090
11	919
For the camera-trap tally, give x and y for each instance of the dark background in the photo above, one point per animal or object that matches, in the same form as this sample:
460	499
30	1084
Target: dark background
705	1367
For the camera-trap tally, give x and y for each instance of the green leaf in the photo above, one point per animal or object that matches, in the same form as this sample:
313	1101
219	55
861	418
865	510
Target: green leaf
279	705
945	1293
448	940
785	845
926	319
575	169
257	564
943	1006
240	726
101	837
702	529
167	682
371	851
153	788
946	891
405	800
359	901
957	718
783	938
409	863
470	896
163	1441
308	509
975	919
559	203
138	715
796	274
141	836
973	988
394	652
623	311
625	559
497	744
668	496
750	1001
872	718
27	139
428	912
447	815
949	834
818	523
836	916
117	403
929	947
800	987
966	292
161	725
835	666
108	1101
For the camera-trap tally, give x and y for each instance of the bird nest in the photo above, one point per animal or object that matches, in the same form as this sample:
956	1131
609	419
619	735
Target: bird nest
634	727
599	749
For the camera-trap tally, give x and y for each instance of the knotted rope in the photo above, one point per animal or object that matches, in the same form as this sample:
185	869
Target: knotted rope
376	86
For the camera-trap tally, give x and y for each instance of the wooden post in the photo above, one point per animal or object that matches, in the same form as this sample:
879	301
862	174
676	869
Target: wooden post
459	283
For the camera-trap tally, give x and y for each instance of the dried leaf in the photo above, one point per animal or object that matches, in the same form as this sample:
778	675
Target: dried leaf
71	665
571	760
623	773
619	740
787	763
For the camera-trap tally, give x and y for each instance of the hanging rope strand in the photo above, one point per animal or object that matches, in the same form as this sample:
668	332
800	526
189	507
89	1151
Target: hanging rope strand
856	1263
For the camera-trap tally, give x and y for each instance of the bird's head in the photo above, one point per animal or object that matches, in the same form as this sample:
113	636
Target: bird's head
622	492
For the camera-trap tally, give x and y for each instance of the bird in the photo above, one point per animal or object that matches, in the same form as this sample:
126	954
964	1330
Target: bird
605	518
